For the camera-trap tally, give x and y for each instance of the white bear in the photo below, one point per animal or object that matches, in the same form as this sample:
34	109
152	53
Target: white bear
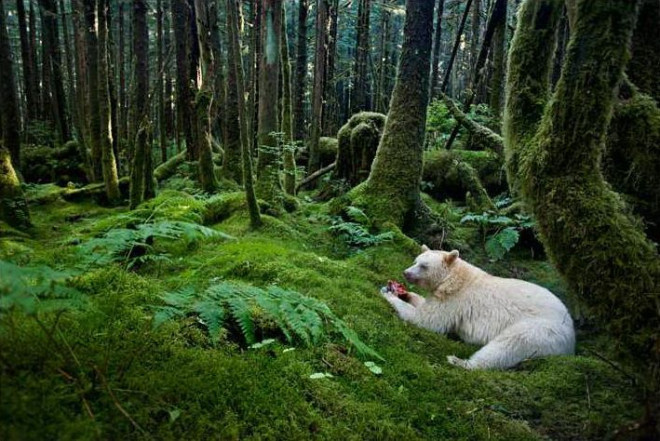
514	319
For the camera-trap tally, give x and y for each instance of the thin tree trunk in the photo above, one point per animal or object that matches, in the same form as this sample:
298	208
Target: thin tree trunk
499	64
359	100
206	14
437	43
236	64
286	127
139	170
331	104
29	80
162	136
34	56
9	110
269	186
92	91
109	166
385	25
319	83
300	83
71	108
457	43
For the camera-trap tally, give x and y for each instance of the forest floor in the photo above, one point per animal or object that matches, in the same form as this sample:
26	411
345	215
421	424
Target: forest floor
104	371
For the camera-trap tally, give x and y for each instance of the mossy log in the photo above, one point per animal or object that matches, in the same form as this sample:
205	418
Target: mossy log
168	168
587	230
357	144
327	152
453	173
59	165
481	135
13	206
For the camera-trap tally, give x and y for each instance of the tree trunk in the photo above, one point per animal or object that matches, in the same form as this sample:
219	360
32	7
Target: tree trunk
160	98
391	193
13	206
300	78
330	103
52	63
286	127
236	64
269	186
29	80
71	108
475	32
499	63
437	43
457	43
360	100
183	74
9	110
231	160
381	97
91	42
555	149
206	14
109	166
139	167
319	83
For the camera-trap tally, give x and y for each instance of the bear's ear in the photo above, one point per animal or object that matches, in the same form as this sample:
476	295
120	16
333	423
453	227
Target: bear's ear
425	248
451	257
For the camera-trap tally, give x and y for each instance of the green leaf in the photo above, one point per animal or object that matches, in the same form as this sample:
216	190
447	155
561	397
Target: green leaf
373	367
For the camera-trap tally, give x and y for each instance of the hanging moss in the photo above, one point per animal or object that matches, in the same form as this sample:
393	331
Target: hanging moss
442	180
13	206
596	245
631	161
357	144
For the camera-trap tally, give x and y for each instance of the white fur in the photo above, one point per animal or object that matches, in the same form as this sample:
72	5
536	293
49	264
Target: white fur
514	319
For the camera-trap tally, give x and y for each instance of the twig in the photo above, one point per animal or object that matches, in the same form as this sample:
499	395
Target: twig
317	174
616	367
116	402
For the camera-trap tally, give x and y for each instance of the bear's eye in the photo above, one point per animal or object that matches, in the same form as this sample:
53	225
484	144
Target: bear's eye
423	266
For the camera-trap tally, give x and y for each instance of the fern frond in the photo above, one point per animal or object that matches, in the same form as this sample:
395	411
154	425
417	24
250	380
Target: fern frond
240	311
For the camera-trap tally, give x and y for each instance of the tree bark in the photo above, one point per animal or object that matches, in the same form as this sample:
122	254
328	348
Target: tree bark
360	100
140	171
300	83
29	80
457	42
437	42
237	66
108	164
391	193
555	151
286	126
94	121
13	206
319	83
499	63
269	186
9	110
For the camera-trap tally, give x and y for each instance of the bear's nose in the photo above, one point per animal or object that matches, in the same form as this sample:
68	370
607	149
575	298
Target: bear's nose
408	275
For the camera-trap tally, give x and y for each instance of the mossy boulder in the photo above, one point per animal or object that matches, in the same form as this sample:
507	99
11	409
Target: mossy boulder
41	164
357	144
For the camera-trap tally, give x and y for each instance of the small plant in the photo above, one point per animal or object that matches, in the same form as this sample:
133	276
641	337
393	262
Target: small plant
35	289
131	246
356	232
500	233
300	318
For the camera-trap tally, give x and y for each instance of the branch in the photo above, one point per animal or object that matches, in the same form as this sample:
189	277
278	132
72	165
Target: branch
483	133
317	174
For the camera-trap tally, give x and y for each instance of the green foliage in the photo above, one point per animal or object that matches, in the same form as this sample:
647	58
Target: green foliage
35	289
500	233
439	123
356	232
131	246
300	318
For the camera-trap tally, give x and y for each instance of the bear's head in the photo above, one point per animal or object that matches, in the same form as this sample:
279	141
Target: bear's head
431	268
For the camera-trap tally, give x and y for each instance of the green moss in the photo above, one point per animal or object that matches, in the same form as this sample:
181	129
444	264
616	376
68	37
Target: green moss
357	143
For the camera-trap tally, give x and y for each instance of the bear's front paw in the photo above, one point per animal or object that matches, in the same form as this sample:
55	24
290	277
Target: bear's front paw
454	360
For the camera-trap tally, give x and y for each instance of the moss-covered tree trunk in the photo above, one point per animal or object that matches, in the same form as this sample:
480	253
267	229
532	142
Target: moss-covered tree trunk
437	42
236	64
300	75
108	164
206	13
498	56
92	102
9	113
318	90
286	127
140	170
13	206
588	233
231	160
269	186
391	193
29	67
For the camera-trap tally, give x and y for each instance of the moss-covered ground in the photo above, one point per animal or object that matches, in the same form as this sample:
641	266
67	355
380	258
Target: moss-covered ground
105	372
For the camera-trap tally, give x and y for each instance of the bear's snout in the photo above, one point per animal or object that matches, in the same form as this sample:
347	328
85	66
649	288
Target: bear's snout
409	276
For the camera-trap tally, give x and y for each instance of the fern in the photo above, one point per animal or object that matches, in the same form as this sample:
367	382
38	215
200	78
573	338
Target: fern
35	289
300	318
135	245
